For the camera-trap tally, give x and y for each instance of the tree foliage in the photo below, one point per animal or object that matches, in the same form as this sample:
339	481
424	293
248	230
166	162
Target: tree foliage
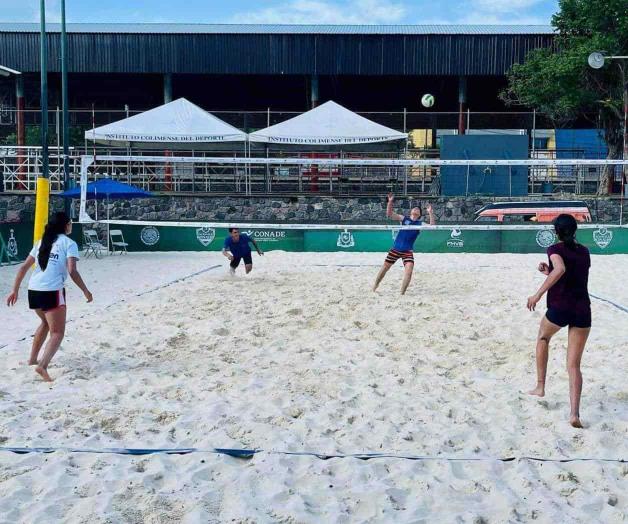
560	83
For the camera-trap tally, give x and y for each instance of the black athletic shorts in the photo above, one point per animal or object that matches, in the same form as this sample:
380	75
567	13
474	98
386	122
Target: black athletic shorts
406	256
562	318
46	300
248	260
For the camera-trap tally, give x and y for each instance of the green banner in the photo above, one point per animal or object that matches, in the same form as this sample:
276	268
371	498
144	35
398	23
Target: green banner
18	238
158	238
601	240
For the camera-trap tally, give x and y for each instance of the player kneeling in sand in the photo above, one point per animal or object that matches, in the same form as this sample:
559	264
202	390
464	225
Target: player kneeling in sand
236	248
404	243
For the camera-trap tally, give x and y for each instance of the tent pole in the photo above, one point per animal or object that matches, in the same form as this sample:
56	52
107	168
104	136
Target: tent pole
108	247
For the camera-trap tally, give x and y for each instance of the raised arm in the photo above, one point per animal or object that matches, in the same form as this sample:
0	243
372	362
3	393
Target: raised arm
21	273
553	276
77	279
430	212
389	209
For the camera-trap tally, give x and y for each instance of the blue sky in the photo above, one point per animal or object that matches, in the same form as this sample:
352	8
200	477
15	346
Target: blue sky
289	11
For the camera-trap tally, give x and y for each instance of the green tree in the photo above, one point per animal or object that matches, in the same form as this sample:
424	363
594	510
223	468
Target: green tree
560	83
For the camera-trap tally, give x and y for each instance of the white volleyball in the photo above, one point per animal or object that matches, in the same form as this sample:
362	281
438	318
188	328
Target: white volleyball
427	100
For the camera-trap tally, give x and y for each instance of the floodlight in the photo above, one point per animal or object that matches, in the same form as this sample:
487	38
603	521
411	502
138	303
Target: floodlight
596	60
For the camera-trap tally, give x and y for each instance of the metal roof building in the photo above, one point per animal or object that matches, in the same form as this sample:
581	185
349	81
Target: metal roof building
278	49
247	68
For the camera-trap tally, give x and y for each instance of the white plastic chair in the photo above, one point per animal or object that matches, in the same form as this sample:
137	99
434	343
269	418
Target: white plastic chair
117	241
91	244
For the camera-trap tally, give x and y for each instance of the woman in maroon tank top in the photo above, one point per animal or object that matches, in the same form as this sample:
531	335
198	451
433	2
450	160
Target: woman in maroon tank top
568	304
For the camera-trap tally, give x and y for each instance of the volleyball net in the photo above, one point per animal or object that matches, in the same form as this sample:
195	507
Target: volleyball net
191	235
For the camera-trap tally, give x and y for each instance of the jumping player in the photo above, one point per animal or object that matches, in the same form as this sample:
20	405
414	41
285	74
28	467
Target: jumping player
404	243
568	304
236	248
54	257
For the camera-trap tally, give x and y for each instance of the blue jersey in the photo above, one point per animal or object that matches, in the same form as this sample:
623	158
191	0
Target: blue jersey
406	238
239	248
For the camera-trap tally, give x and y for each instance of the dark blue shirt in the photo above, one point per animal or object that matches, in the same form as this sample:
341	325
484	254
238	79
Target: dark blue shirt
239	248
406	238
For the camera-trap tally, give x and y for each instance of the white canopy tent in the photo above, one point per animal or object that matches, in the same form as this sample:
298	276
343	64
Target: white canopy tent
179	123
329	124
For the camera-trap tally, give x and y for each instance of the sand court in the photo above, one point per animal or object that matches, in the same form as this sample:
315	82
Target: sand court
300	356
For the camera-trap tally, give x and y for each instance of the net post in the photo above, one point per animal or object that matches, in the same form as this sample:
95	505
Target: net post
86	161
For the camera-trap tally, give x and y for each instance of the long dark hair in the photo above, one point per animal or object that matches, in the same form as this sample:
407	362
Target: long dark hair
55	227
566	226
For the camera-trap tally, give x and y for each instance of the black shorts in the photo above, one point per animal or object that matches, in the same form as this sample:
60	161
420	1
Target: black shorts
581	319
46	300
406	256
248	260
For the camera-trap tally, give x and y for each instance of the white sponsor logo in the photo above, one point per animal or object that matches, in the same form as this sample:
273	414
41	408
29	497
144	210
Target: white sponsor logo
12	245
266	234
205	235
545	237
602	237
345	239
456	239
149	235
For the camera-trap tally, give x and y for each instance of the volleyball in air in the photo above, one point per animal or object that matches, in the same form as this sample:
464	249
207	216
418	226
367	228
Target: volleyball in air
427	100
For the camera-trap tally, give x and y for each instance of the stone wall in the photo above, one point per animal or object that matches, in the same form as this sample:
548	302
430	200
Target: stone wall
21	208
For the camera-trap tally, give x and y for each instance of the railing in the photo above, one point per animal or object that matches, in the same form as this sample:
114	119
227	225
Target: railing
82	120
20	167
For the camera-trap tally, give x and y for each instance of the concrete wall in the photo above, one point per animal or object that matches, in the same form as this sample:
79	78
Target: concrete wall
20	208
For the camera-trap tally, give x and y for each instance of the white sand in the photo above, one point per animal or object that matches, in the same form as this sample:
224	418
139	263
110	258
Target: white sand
299	356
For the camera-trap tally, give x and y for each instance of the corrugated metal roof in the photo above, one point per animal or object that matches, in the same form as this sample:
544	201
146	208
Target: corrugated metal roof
285	29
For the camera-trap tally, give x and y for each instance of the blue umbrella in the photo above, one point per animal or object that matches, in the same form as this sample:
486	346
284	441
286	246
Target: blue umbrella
105	188
108	188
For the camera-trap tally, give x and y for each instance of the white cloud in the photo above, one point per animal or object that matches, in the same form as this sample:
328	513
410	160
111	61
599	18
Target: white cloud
503	6
502	12
501	19
327	12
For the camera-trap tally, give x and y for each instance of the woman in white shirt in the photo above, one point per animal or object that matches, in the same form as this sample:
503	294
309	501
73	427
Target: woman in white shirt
55	257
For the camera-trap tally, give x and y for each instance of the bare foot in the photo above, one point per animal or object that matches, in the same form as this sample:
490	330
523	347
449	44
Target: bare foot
43	373
575	422
539	391
29	363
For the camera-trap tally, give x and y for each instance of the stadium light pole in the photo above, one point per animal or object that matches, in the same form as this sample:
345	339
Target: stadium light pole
596	61
43	184
65	108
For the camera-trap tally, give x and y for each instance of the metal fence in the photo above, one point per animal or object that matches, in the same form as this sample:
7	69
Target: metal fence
20	167
82	120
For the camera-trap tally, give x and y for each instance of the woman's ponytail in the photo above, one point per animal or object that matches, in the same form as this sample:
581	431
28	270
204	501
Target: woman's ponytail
565	227
55	227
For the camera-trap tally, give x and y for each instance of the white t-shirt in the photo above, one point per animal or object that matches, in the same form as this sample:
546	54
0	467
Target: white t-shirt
53	278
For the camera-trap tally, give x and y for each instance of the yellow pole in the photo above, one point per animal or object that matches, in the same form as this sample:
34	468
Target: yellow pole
41	208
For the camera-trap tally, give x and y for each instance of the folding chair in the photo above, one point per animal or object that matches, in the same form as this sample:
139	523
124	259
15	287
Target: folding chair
91	244
117	241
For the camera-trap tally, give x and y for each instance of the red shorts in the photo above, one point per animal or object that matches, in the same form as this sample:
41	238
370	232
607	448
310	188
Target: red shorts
406	256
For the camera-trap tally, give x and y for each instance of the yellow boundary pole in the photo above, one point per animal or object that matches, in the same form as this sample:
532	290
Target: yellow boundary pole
41	208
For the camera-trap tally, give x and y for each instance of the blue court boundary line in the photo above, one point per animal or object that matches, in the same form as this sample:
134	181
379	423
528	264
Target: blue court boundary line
250	453
618	306
152	290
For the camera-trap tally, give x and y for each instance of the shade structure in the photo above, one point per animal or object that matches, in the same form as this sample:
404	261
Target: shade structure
179	123
107	188
329	124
